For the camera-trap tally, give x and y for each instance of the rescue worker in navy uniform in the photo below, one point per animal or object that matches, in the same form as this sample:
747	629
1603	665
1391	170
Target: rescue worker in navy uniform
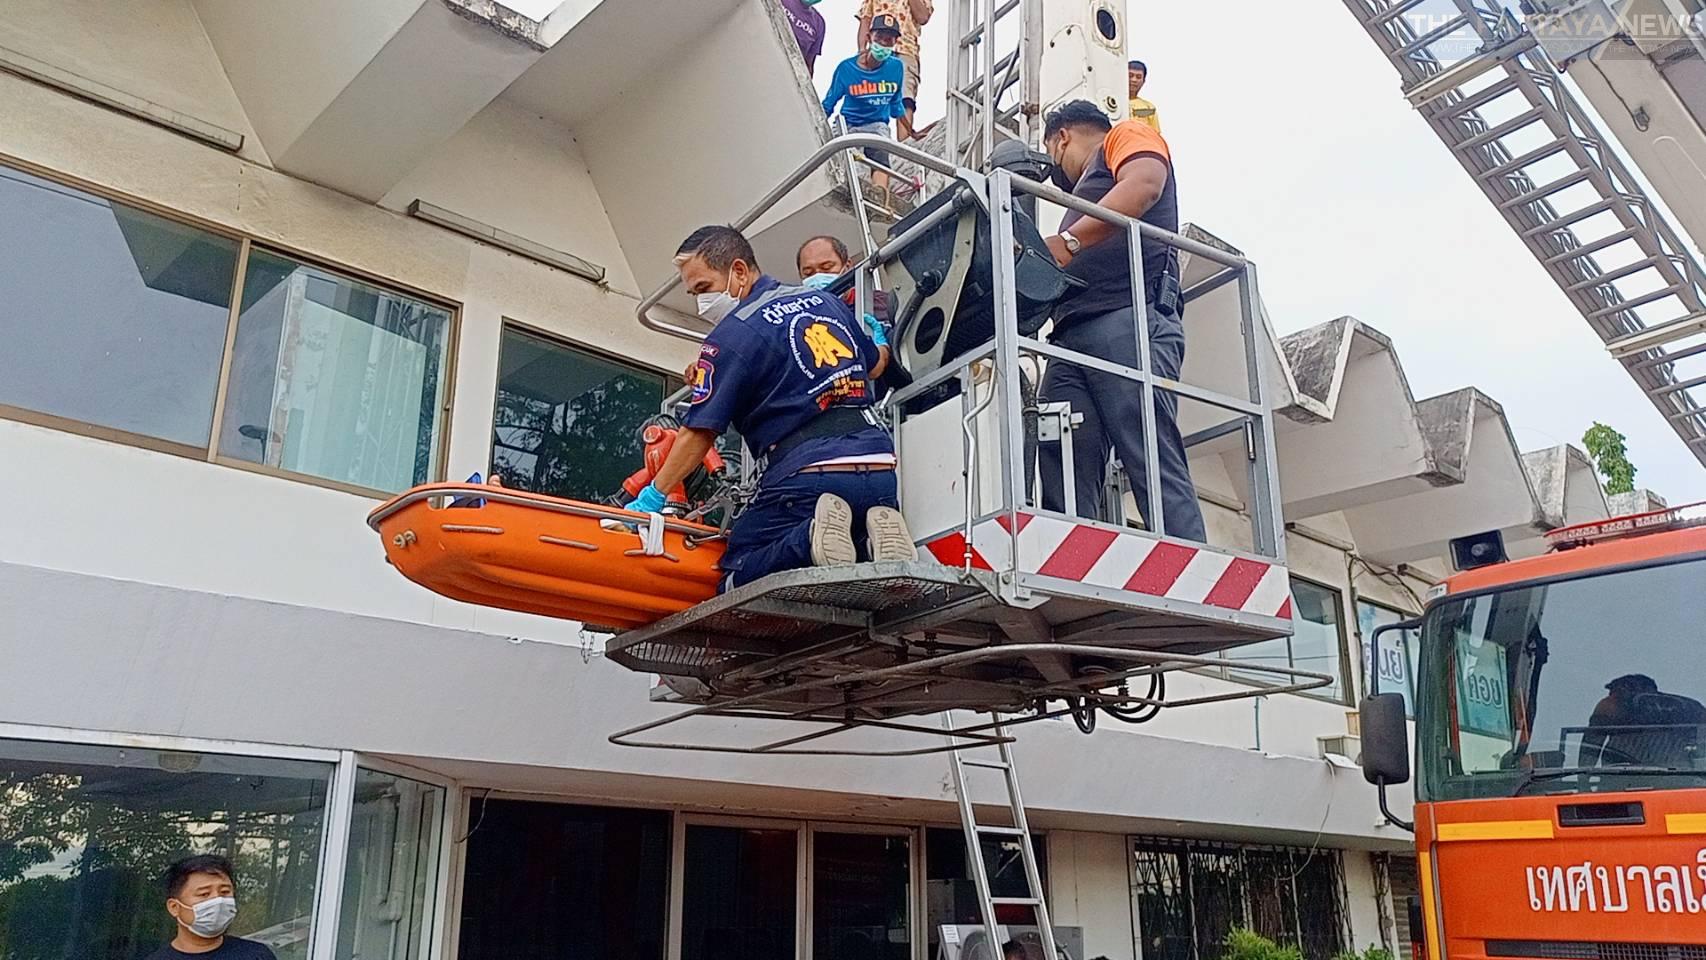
1127	168
787	366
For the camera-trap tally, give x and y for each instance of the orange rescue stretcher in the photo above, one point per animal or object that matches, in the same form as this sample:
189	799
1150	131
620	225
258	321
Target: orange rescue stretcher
528	552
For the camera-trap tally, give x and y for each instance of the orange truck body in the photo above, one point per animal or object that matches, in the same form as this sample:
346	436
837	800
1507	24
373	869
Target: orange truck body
1524	876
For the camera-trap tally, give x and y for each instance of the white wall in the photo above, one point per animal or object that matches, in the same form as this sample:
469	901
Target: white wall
1361	901
536	717
1090	887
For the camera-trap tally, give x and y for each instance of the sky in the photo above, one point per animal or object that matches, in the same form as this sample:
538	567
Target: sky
1292	142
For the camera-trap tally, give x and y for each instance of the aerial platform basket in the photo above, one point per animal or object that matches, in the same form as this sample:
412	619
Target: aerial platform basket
1026	611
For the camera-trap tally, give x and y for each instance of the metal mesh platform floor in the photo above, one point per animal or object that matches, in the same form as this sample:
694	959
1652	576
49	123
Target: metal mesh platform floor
780	639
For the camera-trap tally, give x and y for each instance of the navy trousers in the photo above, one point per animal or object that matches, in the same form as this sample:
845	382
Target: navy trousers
774	532
1113	420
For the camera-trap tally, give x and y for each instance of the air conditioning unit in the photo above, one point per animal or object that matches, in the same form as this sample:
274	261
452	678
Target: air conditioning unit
971	942
1345	745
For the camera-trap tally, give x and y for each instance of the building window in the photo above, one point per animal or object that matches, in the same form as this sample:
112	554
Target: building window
86	832
1317	643
335	378
329	377
391	875
111	316
1394	663
568	421
557	879
1189	896
739	893
861	896
951	895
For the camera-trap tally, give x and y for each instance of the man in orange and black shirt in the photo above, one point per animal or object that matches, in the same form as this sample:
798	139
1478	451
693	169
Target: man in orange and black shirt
1127	168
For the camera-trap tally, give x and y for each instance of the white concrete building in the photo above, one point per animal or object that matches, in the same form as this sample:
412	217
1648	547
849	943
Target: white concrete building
240	301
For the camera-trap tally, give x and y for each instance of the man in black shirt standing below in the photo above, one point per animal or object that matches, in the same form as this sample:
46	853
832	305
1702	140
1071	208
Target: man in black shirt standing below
1127	168
202	898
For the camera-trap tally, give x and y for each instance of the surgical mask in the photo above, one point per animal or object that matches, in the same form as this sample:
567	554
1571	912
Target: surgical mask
713	307
879	52
212	916
1058	176
819	281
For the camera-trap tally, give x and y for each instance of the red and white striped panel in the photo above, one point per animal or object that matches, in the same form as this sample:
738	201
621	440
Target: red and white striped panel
1052	547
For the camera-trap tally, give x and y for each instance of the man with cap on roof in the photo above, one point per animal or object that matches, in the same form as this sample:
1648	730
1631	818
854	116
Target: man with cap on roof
788	367
868	85
908	16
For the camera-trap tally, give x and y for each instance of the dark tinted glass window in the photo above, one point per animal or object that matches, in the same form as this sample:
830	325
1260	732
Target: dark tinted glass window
548	880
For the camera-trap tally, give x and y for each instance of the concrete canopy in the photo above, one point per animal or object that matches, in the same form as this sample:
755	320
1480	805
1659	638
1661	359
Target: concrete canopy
1406	475
694	131
399	77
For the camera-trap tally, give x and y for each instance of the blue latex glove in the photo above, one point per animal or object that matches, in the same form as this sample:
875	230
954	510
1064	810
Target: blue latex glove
650	500
878	337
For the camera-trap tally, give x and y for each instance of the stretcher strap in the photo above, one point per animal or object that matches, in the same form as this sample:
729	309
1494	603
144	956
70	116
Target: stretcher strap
652	534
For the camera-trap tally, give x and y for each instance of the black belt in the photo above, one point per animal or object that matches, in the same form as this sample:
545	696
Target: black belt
834	422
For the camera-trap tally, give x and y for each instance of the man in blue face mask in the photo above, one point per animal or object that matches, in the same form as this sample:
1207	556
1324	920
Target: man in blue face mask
822	260
788	367
870	86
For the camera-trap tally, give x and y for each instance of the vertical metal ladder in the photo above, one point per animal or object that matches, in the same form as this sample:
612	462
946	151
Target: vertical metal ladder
1538	152
1020	831
992	97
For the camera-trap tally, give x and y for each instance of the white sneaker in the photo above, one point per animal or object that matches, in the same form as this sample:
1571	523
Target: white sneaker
832	532
889	537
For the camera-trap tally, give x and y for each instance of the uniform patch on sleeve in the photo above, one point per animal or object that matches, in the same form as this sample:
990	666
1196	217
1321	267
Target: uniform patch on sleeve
701	380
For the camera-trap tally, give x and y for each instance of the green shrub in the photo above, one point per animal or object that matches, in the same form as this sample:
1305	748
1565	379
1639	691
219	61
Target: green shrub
1371	953
1243	944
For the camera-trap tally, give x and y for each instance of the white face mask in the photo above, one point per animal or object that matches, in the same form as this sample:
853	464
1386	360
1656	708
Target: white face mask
713	307
212	916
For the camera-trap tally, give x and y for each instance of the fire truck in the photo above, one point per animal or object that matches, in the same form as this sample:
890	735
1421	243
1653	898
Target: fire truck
1560	745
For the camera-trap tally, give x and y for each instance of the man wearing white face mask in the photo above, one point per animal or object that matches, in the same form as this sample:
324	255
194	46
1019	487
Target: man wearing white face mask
202	898
788	367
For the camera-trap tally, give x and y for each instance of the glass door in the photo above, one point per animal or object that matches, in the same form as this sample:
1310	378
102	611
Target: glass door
861	894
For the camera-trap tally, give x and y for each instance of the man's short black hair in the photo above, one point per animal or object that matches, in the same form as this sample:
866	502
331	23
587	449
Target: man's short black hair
720	245
834	244
179	873
1075	113
1138	65
1011	949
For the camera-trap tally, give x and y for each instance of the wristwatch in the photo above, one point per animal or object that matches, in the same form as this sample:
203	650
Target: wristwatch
1071	242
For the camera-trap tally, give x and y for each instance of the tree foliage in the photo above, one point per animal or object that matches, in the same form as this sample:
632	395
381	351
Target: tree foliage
1610	456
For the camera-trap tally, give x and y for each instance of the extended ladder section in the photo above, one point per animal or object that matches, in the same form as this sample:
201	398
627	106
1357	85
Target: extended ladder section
993	91
1480	79
965	764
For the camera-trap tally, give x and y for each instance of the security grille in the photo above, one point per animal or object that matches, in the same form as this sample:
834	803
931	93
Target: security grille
1189	895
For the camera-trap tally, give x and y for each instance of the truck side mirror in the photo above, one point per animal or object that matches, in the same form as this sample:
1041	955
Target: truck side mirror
1385	740
1385	748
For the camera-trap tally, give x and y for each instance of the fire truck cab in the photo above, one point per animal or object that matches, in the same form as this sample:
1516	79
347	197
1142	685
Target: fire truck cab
1560	725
